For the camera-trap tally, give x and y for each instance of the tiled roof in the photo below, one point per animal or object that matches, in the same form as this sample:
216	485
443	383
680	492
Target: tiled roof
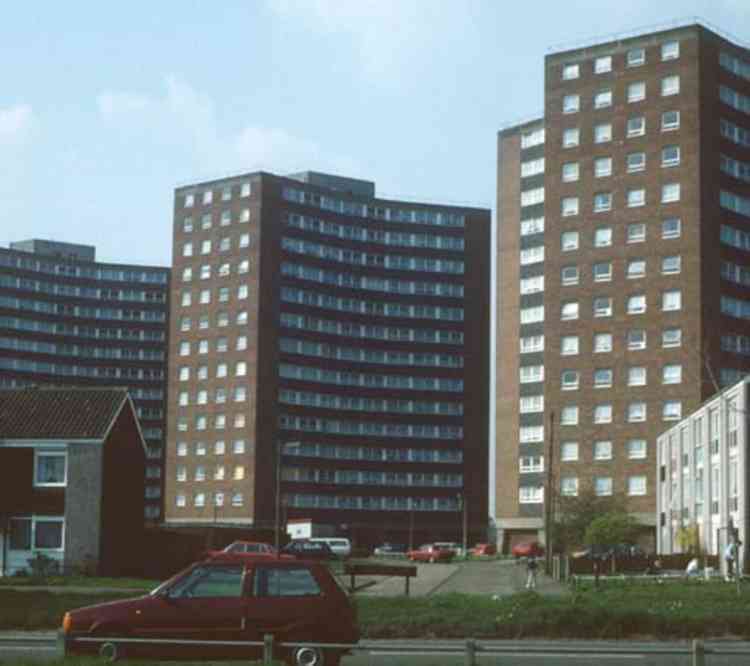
59	413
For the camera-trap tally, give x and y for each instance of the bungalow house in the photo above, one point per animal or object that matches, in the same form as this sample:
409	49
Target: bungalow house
71	479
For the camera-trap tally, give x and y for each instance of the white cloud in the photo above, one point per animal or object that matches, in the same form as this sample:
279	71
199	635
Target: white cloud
15	121
110	103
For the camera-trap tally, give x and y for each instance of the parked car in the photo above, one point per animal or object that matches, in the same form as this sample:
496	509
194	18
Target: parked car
252	547
390	550
527	549
430	552
455	548
306	549
220	601
340	546
484	549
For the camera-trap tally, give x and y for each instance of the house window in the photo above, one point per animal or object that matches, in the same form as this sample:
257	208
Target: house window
637	376
603	412
602	202
671	228
636	91
636	412
636	449
636	162
670	156
50	468
569	345
208	197
603	64
603	306
636	269
529	168
636	232
569	241
226	218
671	337
636	198
532	197
635	57
569	451
637	304
603	237
670	85
603	377
671	265
206	221
672	374
672	410
244	215
636	126
571	71
569	275
570	173
569	486
603	271
199	500
237	499
531	494
571	137
602	167
603	485
636	485
182	449
603	133
180	500
636	339
670	50
187	250
189	201
569	380
670	120
571	103
603	450
603	99
569	206
569	415
245	190
671	300
569	310
602	343
528	464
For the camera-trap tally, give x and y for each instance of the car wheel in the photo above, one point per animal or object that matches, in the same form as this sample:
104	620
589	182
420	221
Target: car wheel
110	651
308	656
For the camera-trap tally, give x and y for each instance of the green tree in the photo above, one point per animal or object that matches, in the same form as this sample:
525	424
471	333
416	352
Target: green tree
573	515
610	529
688	538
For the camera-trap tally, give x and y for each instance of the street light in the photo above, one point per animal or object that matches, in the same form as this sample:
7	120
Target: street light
280	447
462	507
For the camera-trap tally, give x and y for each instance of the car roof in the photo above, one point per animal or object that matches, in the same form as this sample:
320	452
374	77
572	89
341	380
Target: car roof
257	558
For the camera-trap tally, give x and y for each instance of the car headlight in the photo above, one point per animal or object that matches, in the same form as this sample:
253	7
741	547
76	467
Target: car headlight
67	623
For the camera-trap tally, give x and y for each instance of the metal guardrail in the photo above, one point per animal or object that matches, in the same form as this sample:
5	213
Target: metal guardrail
470	648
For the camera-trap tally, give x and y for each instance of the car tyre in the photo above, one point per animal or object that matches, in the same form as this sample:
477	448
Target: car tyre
309	656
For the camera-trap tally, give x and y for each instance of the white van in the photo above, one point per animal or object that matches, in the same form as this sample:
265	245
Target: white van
339	546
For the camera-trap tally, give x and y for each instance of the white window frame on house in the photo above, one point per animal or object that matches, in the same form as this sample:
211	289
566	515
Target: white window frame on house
671	337
571	103
670	156
603	449
189	200
602	271
528	168
599	240
637	375
569	206
570	172
569	310
570	380
637	485
531	344
532	315
671	410
529	374
602	167
671	300
670	50
49	453
635	162
531	404
569	415
569	241
635	57
603	133
671	265
637	449
569	486
602	306
636	126
636	269
532	285
636	197
636	91
672	374
571	137
530	464
532	255
671	228
632	236
532	226
667	123
602	343
603	64
603	486
603	413
637	412
603	98
531	434
636	339
569	275
603	378
569	451
569	345
670	85
531	494
571	71
208	197
637	304
602	202
532	197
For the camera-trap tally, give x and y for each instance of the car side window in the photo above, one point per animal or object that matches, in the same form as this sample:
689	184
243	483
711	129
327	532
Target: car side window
218	581
286	582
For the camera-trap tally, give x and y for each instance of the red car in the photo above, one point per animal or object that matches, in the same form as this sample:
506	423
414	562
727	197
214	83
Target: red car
484	549
250	547
218	601
429	552
527	549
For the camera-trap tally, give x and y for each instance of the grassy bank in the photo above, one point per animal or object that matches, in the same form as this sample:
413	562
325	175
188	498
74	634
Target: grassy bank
79	581
684	610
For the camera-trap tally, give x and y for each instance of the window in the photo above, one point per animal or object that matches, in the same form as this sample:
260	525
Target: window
569	241
603	412
671	337
200	473
189	201
532	315
636	485
528	168
671	228
182	449
225	244
636	232
244	265
532	343
603	237
180	500
670	120
185	323
533	226
671	410
670	50
569	451
571	103
208	197
530	494
569	345
245	190
569	415
242	292
569	173
221	370
199	499
636	198
603	450
532	197
603	306
205	296
671	265
187	250
226	218
571	137
569	310
569	380
636	269
569	275
245	240
529	434
226	193
571	71
532	255
670	85
531	404
603	64
636	412
636	339
206	247
671	374
181	473
636	162
244	215
237	499
671	300
602	343
637	304
602	167
636	449
635	57
569	486
636	91
603	377
569	206
637	375
206	221
602	132
50	468
184	349
603	271
532	285
186	299
636	126
602	202
670	156
603	99
531	373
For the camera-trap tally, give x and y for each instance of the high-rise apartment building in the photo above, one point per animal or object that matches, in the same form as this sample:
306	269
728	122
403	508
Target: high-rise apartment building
69	320
337	339
623	263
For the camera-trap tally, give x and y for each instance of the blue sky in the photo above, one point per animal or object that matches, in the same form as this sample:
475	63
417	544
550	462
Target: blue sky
106	107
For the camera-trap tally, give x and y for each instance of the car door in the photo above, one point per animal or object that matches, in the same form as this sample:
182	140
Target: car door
286	601
206	604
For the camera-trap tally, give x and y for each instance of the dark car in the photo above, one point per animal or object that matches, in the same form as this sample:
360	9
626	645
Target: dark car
215	602
390	550
305	549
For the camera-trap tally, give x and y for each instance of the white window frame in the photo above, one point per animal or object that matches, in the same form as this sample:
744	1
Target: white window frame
603	64
49	453
603	413
602	167
569	451
670	85
636	92
599	340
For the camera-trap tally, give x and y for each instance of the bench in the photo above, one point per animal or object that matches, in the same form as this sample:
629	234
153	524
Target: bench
354	570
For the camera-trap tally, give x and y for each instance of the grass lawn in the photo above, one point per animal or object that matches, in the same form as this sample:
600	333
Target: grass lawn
617	610
79	581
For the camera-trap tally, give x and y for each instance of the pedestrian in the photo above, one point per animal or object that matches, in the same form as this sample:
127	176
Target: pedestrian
531	567
693	568
730	554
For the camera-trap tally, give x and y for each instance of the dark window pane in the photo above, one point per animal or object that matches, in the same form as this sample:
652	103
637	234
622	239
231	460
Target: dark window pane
48	534
20	534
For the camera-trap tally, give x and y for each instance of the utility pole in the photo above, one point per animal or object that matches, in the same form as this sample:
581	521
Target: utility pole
549	493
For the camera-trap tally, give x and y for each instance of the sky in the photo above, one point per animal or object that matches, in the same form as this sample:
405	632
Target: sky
105	108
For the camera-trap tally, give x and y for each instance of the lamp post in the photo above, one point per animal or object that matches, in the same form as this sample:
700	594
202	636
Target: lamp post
461	501
280	447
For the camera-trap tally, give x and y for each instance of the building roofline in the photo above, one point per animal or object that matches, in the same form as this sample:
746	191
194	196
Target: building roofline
85	262
514	126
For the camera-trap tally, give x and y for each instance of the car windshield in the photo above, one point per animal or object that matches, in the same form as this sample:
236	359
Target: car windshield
214	581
